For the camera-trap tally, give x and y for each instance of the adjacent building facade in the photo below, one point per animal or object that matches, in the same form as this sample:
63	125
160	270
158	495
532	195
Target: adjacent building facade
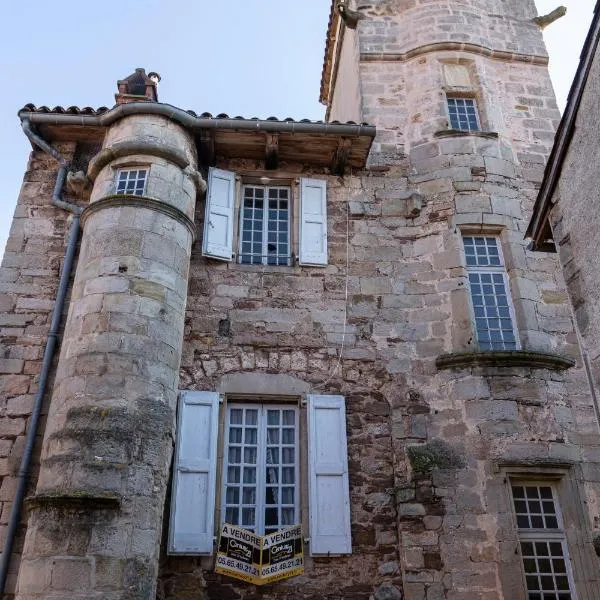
275	323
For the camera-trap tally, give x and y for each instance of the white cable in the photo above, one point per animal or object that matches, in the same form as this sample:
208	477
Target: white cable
339	360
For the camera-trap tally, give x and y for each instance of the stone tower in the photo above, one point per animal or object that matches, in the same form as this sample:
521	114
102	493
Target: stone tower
404	371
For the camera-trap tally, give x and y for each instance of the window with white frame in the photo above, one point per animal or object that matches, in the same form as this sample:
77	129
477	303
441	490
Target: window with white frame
265	225
131	181
542	541
259	471
266	229
488	284
463	113
260	464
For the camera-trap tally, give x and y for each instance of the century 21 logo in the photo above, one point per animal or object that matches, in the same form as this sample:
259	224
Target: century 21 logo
240	548
285	548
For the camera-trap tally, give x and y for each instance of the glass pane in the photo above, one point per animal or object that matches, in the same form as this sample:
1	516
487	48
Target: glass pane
233	495
233	475
249	495
249	475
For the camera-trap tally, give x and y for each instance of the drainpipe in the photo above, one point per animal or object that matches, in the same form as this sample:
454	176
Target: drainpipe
23	476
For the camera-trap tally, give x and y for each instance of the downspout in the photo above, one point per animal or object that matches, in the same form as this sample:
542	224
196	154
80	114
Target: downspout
23	475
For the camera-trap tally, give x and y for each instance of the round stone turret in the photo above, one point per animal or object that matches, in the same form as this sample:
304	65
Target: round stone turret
108	443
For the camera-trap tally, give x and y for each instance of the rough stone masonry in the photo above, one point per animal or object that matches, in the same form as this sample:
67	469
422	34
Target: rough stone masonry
437	429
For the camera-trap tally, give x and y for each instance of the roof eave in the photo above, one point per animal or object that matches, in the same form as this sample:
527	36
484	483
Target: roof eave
543	204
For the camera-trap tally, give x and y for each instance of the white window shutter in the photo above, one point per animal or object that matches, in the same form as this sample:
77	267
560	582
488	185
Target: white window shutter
313	222
328	476
218	217
191	528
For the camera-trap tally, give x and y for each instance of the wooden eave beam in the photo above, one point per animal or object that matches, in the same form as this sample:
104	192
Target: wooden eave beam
340	156
271	150
206	146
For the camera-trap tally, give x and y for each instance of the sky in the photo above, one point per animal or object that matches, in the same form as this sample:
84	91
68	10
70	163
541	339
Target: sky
255	58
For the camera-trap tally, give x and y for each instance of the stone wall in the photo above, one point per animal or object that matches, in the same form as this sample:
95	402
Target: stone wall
573	221
29	280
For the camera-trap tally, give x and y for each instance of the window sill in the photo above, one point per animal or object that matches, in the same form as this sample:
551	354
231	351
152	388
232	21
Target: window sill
490	135
504	358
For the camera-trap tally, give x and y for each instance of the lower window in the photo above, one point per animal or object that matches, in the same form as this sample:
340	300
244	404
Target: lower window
542	542
260	487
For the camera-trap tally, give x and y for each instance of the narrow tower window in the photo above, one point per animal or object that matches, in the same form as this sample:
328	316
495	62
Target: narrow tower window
492	308
132	181
463	114
542	542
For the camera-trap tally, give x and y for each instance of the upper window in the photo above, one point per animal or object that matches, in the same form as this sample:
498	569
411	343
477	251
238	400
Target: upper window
260	490
132	181
492	308
265	225
267	234
463	114
542	542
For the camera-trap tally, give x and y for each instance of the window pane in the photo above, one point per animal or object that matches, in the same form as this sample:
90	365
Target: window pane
463	114
257	457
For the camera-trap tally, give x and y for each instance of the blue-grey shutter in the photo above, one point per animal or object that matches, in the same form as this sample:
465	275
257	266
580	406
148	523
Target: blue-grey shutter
313	222
218	215
191	528
328	476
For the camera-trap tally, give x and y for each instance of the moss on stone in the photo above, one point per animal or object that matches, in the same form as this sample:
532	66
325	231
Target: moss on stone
434	455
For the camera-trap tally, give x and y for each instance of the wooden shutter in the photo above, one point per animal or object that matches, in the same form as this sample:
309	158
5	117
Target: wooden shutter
193	498
328	476
313	222
218	217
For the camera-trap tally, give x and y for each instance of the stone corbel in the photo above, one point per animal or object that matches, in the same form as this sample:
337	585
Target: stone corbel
78	183
197	178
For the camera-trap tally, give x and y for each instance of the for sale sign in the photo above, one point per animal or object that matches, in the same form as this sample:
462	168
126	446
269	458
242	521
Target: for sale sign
282	554
260	559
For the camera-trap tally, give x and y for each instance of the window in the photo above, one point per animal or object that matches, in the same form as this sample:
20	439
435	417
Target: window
266	234
260	471
260	491
131	181
265	225
494	318
542	542
463	114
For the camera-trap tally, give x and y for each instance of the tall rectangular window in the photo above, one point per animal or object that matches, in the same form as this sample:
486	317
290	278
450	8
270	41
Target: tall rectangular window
132	181
542	542
265	225
260	487
463	114
494	318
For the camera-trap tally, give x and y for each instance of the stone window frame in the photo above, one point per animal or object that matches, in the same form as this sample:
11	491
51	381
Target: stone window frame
130	168
262	404
278	398
543	534
292	225
568	479
499	233
281	180
472	91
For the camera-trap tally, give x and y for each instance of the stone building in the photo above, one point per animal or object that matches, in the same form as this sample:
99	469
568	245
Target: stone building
375	356
564	214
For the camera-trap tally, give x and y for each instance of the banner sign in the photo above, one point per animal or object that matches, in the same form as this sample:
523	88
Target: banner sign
260	559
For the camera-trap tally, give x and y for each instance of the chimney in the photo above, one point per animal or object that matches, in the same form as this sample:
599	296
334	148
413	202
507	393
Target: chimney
138	87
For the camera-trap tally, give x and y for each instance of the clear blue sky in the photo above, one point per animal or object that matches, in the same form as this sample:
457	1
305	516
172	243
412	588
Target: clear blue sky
242	57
